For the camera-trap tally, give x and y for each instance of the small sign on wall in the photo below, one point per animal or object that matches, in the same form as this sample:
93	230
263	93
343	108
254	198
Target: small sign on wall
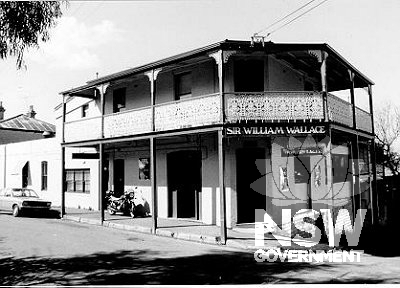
144	168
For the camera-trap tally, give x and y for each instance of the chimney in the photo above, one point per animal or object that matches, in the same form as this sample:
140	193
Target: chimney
31	113
1	111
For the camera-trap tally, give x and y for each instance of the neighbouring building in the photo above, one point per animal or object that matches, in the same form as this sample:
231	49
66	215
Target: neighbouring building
30	154
271	125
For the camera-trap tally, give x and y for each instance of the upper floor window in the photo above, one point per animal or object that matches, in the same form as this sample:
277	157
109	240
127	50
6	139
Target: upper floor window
183	85
249	75
85	110
44	175
119	99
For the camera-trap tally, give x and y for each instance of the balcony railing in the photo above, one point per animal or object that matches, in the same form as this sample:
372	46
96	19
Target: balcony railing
187	113
127	123
339	111
274	106
206	110
363	120
83	129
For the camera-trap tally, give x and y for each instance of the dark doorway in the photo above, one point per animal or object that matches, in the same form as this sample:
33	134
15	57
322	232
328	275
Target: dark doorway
249	75
246	173
302	178
25	175
184	184
119	176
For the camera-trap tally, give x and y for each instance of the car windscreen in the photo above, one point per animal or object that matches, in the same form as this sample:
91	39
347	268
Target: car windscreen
24	193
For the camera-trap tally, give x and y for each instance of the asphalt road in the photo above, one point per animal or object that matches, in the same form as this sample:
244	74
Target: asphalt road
41	251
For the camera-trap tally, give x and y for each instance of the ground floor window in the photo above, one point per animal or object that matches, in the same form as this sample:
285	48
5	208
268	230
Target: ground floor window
44	175
78	180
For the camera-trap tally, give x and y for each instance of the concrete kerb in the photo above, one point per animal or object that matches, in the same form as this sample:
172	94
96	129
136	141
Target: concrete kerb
214	240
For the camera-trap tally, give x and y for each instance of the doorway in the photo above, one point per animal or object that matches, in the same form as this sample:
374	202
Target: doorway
302	178
25	175
119	177
248	172
184	184
249	75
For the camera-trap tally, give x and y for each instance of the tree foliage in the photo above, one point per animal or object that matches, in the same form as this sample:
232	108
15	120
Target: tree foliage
387	130
25	24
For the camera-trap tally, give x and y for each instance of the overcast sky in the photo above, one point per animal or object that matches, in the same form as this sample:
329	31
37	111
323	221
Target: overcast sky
107	37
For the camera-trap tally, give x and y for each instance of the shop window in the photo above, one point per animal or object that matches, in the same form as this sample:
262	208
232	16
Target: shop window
78	180
119	99
183	85
340	168
44	176
144	168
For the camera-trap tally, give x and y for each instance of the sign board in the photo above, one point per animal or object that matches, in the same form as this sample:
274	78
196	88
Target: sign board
287	152
85	156
274	130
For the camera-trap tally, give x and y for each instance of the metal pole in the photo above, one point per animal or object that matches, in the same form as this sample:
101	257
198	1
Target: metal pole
153	177
101	192
62	181
221	166
374	190
63	158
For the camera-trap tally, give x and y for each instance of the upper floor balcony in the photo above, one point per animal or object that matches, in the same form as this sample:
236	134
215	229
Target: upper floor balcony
206	110
185	92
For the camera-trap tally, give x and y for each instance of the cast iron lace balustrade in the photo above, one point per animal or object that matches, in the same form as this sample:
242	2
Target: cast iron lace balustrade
340	111
363	120
83	129
186	113
274	106
127	123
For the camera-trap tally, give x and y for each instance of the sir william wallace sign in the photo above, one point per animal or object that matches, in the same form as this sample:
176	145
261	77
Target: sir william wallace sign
275	130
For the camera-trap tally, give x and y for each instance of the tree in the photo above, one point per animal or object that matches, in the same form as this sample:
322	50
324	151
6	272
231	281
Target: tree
24	25
387	130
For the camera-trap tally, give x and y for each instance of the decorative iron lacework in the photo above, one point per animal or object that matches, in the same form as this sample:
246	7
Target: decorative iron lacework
274	106
363	120
340	111
188	113
127	123
84	129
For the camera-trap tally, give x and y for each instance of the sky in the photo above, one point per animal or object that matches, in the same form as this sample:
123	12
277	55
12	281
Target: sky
109	36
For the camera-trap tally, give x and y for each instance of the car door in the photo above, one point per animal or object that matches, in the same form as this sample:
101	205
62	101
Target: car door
7	199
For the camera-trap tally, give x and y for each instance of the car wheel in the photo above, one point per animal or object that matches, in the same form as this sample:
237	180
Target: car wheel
16	211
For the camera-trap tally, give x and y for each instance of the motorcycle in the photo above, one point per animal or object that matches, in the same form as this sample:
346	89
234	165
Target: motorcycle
123	204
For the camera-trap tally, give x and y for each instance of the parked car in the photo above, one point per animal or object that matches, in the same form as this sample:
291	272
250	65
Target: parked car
18	200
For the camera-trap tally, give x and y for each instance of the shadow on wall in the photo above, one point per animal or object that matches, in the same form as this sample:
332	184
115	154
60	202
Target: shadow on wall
145	267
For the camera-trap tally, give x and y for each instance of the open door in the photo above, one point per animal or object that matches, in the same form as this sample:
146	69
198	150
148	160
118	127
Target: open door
246	173
184	184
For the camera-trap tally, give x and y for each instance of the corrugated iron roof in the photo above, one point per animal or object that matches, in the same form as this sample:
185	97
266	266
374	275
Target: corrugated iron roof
25	123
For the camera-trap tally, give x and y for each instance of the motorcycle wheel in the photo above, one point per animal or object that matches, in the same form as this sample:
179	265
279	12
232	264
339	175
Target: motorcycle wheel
110	211
132	211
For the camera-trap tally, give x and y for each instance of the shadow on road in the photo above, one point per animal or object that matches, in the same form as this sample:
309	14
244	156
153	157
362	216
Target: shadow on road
144	267
51	214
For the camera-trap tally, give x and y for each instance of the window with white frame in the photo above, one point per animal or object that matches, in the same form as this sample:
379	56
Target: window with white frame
78	180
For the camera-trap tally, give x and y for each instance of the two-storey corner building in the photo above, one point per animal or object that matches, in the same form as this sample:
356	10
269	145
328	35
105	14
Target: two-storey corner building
215	133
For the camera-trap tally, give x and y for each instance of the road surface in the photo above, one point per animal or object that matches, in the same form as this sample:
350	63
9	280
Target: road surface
50	251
